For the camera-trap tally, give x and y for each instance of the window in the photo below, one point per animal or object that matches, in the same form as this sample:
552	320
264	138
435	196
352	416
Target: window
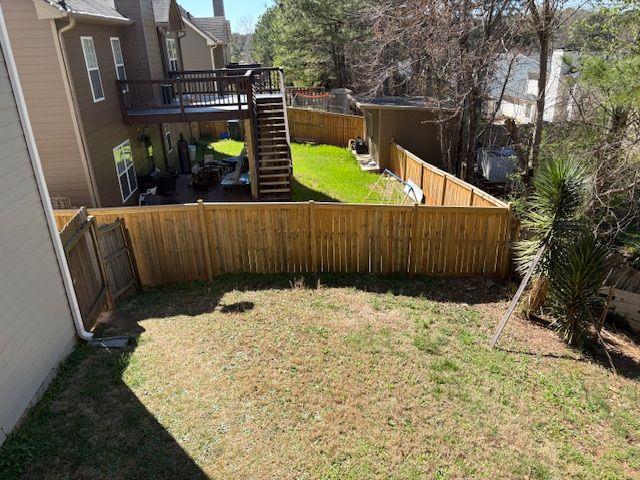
93	69
118	60
167	135
125	169
172	54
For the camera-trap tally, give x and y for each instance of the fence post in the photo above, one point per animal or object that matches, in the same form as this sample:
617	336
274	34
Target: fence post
205	239
100	257
444	189
413	240
313	237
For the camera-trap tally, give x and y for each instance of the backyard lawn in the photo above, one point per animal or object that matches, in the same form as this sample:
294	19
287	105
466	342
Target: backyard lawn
321	173
341	377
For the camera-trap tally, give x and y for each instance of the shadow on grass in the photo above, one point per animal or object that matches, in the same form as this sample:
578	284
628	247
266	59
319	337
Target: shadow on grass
91	425
302	193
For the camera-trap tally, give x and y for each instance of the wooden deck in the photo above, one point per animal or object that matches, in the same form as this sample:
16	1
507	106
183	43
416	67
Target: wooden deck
215	95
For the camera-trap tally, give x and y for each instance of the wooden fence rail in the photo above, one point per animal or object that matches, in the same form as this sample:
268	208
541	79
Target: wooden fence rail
323	127
177	243
440	187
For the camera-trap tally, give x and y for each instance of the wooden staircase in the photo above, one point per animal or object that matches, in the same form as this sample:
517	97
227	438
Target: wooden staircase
273	149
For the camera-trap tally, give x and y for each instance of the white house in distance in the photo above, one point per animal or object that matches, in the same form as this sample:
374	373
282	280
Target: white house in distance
521	89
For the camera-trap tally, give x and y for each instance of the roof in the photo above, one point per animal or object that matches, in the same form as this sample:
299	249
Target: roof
187	17
161	9
217	27
407	103
99	9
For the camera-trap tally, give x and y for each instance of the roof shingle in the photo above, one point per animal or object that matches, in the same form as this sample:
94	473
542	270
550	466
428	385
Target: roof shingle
91	8
218	27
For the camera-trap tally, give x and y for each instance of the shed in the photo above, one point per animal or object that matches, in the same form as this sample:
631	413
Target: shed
412	123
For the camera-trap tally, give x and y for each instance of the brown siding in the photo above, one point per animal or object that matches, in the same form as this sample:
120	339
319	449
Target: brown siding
50	112
103	125
219	57
414	130
140	40
196	54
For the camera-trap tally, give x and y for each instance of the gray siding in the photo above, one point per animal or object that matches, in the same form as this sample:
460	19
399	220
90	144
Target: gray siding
35	319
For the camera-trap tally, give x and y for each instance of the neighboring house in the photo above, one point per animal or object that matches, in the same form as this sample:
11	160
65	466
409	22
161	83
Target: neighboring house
69	57
521	73
206	41
36	320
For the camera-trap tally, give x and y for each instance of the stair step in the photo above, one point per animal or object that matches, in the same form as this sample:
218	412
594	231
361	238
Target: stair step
271	176
275	190
274	184
262	113
270	105
275	169
272	98
272	139
273	149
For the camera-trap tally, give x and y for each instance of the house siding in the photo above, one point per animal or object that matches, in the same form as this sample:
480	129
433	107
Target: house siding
36	321
196	54
43	79
102	121
140	40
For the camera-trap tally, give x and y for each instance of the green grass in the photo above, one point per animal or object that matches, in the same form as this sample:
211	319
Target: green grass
337	377
321	172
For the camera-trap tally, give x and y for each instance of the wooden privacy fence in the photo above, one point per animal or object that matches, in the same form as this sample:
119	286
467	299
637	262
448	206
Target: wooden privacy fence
81	248
440	187
101	263
199	241
119	263
322	127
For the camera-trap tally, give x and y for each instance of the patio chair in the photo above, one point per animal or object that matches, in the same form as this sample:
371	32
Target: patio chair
143	196
236	178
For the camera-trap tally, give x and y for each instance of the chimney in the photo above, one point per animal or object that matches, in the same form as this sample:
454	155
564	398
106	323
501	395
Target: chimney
218	8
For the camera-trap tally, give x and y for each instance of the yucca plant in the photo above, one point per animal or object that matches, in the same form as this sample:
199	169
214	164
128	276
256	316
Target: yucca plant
554	214
577	272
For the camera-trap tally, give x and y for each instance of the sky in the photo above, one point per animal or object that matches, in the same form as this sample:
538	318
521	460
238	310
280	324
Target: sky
236	10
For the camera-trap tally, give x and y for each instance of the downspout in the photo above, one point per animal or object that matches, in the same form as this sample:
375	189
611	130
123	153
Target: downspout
41	184
76	109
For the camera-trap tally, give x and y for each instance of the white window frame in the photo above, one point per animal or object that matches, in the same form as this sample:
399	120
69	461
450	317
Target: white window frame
125	173
90	69
170	59
168	138
115	60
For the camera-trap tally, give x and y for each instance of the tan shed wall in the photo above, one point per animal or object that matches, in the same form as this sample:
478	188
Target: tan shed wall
196	54
415	130
42	79
35	319
408	129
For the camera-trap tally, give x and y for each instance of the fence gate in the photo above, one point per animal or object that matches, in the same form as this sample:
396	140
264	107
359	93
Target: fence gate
120	266
81	247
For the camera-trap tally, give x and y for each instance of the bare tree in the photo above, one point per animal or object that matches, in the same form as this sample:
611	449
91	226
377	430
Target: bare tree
443	50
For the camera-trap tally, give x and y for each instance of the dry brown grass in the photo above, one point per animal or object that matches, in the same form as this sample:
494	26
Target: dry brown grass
277	378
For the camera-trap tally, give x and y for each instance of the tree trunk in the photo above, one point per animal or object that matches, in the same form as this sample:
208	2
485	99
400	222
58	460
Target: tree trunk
534	153
475	104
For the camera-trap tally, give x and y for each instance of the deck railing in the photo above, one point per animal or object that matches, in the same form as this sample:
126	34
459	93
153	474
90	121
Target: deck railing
193	91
